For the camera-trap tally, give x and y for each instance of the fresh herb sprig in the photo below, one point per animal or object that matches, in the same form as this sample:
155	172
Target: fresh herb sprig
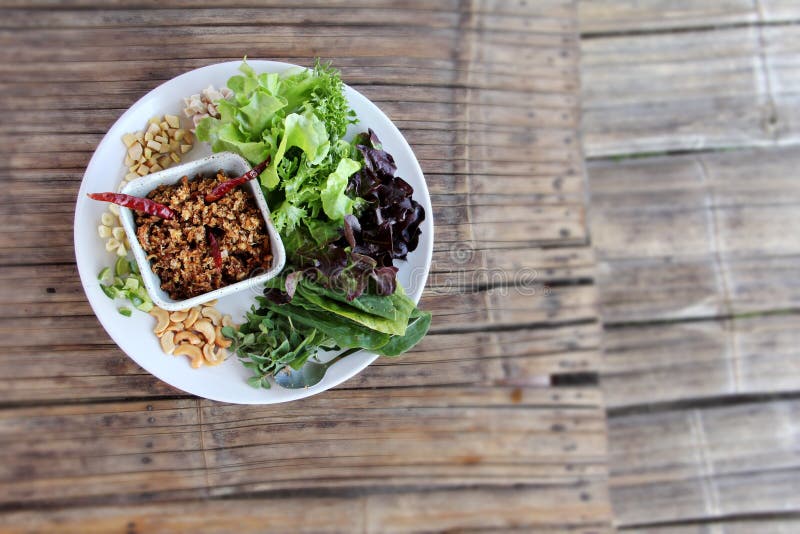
267	342
287	331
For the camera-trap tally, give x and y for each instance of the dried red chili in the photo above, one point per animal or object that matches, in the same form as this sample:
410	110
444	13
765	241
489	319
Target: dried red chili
214	246
225	187
135	203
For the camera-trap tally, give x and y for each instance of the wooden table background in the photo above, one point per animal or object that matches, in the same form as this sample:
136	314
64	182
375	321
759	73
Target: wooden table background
494	422
691	126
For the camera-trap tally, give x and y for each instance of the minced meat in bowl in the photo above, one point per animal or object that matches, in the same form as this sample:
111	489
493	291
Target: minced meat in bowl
207	245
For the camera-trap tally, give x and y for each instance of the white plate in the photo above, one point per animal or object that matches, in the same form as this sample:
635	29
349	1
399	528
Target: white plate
226	382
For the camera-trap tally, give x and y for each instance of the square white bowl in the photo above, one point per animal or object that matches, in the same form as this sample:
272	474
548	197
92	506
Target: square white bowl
233	165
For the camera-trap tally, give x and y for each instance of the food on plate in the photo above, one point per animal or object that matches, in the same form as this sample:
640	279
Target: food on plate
223	188
144	205
204	104
299	120
282	332
207	245
157	147
110	230
195	333
125	282
343	216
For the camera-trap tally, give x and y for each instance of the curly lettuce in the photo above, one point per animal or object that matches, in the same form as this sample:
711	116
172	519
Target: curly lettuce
297	118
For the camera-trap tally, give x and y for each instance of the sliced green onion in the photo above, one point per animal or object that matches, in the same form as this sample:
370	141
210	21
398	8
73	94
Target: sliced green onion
122	267
111	292
142	291
105	275
134	267
145	306
131	284
128	284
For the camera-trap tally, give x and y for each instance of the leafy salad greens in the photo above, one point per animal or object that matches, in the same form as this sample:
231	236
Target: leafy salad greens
299	119
341	212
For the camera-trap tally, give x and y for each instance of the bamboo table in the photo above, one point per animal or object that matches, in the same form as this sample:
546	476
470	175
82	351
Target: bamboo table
494	422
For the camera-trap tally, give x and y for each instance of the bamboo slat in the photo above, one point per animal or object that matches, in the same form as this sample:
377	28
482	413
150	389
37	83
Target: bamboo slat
701	359
440	510
705	463
696	258
707	89
696	236
616	16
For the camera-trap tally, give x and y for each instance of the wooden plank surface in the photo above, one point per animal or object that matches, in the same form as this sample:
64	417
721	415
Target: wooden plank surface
697	235
617	16
671	362
361	513
714	88
405	437
699	463
494	422
690	114
730	526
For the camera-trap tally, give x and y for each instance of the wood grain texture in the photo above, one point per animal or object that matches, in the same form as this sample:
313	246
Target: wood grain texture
617	16
727	526
407	437
705	463
718	88
701	359
476	429
695	236
696	258
438	511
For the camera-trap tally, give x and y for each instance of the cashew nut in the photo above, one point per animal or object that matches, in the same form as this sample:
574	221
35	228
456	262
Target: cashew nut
192	351
168	342
175	327
213	314
211	303
207	329
163	320
178	316
186	335
180	334
213	358
194	314
219	339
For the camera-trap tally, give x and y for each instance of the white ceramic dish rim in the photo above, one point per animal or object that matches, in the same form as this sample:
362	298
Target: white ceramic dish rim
88	278
233	165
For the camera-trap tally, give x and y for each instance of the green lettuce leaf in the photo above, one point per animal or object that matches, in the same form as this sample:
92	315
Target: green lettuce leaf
417	328
306	132
259	112
396	326
335	203
345	333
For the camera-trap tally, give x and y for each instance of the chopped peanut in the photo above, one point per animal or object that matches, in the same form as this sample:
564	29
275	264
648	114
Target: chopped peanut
128	139
135	151
173	121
